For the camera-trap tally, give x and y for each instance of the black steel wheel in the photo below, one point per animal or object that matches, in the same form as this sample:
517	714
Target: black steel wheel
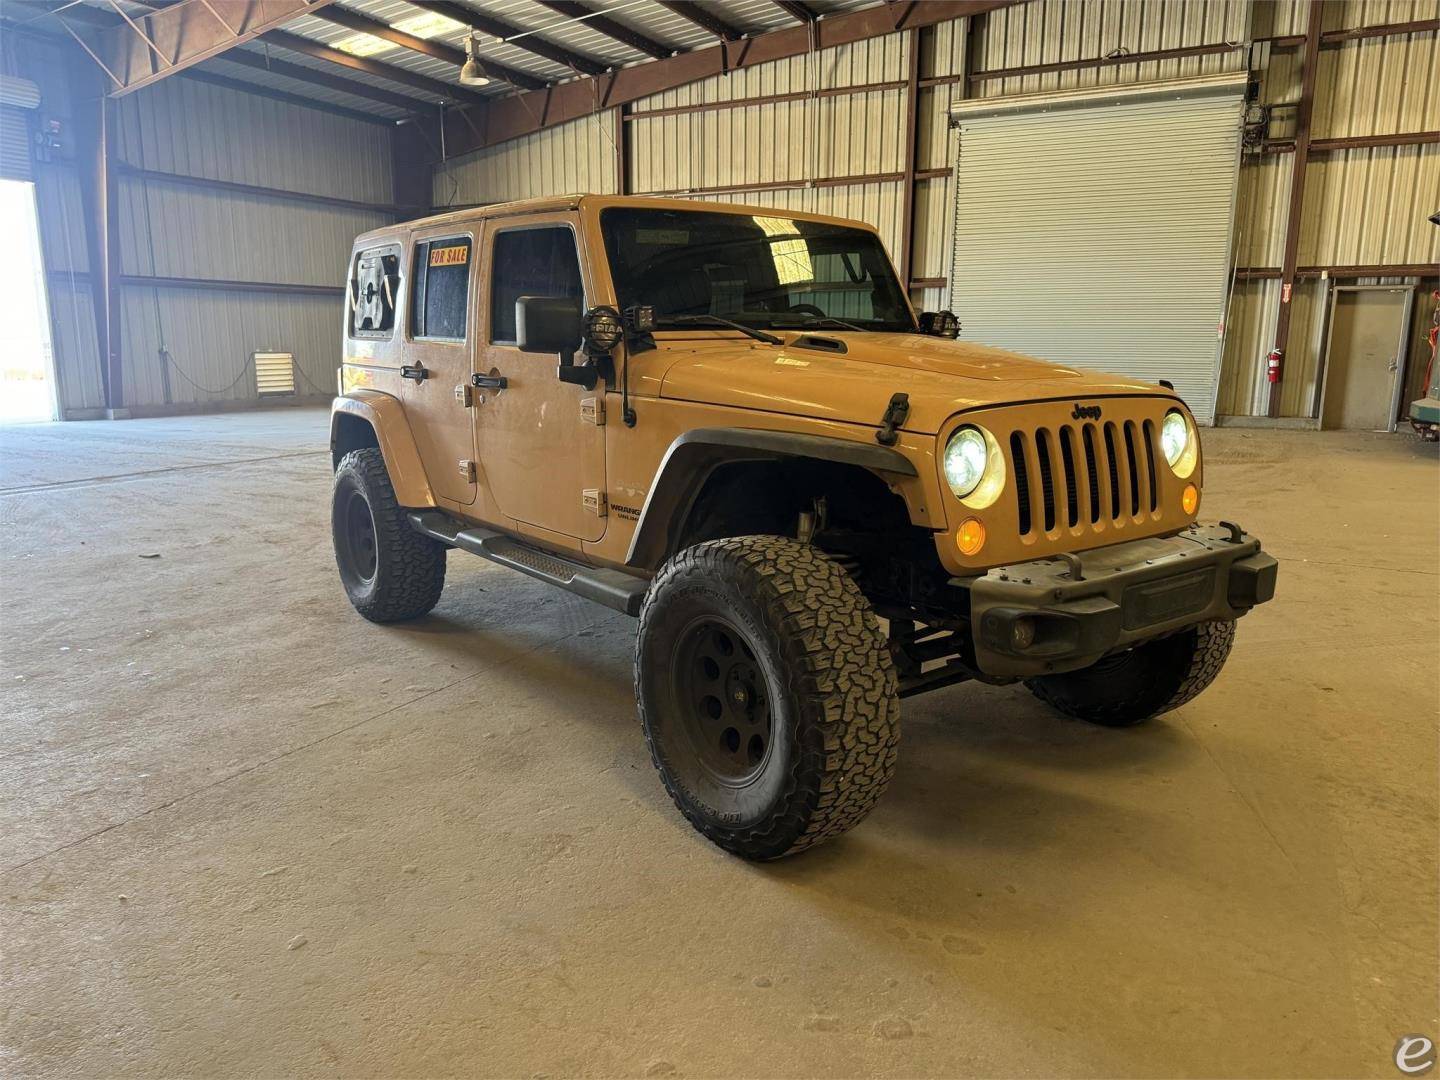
767	694
355	538
390	572
728	722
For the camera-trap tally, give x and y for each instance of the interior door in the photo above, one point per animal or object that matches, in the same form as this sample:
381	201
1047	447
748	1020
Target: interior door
541	447
1362	366
440	336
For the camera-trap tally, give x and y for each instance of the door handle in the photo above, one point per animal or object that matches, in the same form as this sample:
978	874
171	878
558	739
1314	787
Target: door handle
492	382
417	372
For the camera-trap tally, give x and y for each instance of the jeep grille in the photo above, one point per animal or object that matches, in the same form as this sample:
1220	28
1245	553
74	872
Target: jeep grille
1084	475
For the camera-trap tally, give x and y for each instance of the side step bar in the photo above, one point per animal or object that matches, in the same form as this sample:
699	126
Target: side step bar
623	592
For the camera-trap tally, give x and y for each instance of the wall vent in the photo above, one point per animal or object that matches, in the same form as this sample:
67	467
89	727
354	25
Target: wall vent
274	373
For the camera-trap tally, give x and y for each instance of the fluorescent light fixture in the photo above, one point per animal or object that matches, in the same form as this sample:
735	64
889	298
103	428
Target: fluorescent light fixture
363	45
429	24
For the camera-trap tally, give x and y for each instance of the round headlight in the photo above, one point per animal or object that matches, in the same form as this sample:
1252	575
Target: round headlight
1174	437
964	461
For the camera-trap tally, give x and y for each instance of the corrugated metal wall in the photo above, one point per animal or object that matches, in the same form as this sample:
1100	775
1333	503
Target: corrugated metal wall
763	154
578	156
174	229
1362	207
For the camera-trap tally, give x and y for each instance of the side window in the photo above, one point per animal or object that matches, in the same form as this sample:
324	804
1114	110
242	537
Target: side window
374	284
440	294
530	262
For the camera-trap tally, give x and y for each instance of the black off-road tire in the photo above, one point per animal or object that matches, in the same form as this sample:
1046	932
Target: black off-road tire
390	571
818	667
1123	690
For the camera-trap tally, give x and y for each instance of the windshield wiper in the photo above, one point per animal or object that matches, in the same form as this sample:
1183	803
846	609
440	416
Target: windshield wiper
830	320
750	331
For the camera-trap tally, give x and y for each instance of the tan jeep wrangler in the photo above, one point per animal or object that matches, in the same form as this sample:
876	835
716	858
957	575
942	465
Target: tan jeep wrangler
729	422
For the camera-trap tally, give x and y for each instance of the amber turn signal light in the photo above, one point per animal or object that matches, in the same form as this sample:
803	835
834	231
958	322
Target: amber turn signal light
1190	499
970	537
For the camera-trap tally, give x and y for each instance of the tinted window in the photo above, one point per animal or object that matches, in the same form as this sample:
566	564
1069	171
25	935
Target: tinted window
764	271
530	262
441	292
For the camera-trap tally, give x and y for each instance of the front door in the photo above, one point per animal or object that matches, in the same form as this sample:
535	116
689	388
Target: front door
541	442
440	334
1362	367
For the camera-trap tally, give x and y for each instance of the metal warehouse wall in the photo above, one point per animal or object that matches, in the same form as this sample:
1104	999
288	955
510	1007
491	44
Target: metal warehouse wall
826	132
172	229
169	139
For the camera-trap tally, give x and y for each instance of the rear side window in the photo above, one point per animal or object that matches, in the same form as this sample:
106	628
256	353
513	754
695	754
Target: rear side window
373	287
530	262
440	295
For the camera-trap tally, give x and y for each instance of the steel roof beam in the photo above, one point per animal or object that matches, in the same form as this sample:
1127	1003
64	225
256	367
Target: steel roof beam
796	10
354	20
137	50
300	73
389	72
523	39
694	13
603	24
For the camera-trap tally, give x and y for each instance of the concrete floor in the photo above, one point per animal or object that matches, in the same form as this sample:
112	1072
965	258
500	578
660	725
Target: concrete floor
243	831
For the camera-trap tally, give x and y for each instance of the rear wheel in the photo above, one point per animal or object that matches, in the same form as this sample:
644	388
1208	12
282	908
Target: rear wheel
1150	679
766	693
390	572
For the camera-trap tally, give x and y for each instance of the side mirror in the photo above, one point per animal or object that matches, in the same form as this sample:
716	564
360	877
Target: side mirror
547	324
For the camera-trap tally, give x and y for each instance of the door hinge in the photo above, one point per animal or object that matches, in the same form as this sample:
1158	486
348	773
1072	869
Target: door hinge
467	469
464	395
593	499
592	411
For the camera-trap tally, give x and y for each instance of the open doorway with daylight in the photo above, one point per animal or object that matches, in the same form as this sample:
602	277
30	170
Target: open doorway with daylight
27	389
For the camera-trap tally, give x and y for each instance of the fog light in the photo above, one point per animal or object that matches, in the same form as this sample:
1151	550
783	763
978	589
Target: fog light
603	330
1190	499
1022	634
970	537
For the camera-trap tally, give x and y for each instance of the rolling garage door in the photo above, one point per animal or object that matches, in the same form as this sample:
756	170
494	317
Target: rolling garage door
18	99
1094	228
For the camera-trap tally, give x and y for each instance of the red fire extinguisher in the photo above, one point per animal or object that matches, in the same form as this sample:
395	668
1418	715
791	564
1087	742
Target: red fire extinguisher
1272	365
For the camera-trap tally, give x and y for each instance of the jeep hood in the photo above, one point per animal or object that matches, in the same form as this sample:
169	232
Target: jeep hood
942	377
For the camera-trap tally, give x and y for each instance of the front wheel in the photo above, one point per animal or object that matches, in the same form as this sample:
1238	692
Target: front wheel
1153	678
390	571
767	694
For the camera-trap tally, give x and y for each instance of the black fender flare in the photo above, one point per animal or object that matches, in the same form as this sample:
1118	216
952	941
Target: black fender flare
692	457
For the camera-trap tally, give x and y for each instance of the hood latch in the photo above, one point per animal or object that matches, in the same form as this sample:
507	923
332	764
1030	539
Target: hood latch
895	414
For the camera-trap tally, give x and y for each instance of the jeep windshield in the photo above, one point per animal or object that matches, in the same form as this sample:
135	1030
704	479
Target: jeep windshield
771	273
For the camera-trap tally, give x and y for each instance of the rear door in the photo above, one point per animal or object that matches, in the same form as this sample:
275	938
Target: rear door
540	441
440	338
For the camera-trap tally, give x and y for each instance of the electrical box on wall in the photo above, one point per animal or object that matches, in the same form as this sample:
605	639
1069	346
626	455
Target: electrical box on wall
274	373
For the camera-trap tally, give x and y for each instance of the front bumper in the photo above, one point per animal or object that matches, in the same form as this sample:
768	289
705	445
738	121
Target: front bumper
1066	612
